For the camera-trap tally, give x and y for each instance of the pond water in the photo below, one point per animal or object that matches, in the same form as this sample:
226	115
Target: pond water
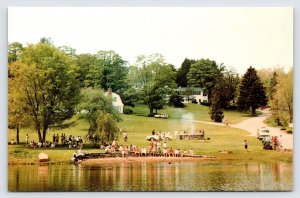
158	176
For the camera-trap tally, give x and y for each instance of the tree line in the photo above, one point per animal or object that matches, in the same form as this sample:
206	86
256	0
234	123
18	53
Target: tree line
49	84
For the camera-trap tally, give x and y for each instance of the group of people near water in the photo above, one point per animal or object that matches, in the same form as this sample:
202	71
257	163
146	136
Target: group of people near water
272	143
155	148
70	142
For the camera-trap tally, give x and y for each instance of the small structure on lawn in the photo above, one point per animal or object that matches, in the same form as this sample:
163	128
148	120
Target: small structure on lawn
43	157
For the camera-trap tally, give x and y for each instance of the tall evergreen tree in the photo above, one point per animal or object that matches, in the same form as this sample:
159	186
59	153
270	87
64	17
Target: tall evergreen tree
176	100
215	109
252	92
181	76
272	85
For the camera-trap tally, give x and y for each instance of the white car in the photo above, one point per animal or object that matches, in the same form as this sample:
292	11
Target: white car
262	133
152	137
156	137
162	115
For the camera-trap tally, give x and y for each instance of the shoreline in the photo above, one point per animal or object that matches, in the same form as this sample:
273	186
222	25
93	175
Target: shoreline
146	159
114	160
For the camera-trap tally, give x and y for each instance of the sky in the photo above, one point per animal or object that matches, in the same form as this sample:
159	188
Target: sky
237	37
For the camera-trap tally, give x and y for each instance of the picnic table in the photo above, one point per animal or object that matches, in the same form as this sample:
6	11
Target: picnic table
191	136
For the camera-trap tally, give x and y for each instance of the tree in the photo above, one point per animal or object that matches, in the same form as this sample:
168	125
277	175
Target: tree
267	76
114	70
215	109
48	86
98	111
17	117
181	75
203	74
272	86
106	127
14	50
106	69
68	50
252	93
188	93
152	80
89	70
282	106
46	40
176	100
230	81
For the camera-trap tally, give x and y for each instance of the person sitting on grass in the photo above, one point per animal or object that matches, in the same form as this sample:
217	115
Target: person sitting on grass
191	152
137	151
40	144
33	144
12	141
185	153
179	153
121	149
144	152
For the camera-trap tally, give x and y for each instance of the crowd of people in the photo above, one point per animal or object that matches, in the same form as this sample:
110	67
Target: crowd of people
63	140
272	143
156	147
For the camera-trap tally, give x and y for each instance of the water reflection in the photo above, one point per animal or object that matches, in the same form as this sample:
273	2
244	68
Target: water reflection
162	176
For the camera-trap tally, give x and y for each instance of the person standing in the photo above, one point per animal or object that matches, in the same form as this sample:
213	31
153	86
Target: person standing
246	145
27	139
125	136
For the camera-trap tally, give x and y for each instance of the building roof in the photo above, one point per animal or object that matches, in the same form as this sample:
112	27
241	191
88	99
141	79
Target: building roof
194	88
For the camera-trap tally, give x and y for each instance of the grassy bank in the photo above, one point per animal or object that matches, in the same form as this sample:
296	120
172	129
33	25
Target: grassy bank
138	126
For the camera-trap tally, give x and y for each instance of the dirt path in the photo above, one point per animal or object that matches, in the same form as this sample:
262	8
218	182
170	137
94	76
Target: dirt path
252	124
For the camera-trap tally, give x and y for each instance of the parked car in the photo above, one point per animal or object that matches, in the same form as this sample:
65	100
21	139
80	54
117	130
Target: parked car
161	115
262	133
165	136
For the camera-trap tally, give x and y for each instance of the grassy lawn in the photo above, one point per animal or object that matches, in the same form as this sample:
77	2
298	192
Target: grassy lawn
138	126
198	112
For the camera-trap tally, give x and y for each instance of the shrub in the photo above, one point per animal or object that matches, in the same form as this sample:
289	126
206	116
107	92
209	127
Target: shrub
194	101
205	104
289	131
128	110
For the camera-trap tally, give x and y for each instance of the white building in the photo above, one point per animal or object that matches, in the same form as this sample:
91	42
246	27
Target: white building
193	93
116	100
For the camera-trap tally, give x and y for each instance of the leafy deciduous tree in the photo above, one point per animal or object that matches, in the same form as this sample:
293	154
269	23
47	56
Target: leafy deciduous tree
203	74
98	111
153	80
48	86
